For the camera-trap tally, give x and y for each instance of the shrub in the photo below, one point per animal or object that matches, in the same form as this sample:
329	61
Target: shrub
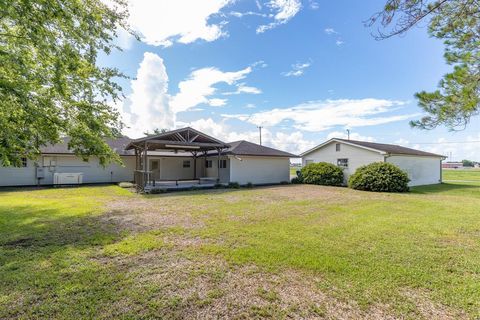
219	185
380	177
249	185
322	173
296	180
234	185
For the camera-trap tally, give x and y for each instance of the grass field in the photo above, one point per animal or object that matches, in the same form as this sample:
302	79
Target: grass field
461	175
289	251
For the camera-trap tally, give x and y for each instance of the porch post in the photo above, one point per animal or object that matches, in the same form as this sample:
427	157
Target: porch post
194	165
218	164
145	164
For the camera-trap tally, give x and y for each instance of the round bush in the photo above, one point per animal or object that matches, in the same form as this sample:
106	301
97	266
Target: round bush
322	173
380	177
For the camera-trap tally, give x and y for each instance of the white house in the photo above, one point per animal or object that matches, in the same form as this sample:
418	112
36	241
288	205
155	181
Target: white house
422	167
172	159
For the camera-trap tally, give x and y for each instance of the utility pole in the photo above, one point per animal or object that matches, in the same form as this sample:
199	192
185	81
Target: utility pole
348	134
260	131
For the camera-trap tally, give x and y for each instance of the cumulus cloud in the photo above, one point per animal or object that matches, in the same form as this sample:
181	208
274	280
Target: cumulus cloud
323	115
148	106
293	142
161	23
353	136
283	11
298	69
200	85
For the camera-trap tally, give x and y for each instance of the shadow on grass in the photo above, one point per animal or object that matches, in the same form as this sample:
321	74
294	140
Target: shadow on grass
48	267
449	188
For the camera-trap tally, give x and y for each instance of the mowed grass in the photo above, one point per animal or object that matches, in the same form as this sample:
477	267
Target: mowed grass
64	254
461	174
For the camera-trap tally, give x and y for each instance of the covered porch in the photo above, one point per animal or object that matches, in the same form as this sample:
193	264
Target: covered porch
178	159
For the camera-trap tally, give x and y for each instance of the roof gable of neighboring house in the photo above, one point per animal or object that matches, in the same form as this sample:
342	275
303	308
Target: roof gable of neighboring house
382	148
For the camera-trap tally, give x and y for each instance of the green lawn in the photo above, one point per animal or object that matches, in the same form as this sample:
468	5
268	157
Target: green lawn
289	251
461	174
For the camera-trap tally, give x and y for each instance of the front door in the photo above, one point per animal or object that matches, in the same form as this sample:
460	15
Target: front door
155	168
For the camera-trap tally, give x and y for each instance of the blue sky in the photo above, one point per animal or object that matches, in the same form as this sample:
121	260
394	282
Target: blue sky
304	70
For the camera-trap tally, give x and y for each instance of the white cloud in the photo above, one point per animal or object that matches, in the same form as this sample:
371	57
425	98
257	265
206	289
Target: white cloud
250	106
283	10
330	31
185	21
353	136
323	115
293	142
217	102
297	69
150	106
147	107
200	85
243	88
456	149
314	5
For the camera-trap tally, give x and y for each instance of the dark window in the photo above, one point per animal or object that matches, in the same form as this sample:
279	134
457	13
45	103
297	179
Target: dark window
208	163
337	147
186	163
222	164
24	162
342	163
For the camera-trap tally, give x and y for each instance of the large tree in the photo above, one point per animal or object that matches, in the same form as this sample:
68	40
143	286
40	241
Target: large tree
50	83
457	23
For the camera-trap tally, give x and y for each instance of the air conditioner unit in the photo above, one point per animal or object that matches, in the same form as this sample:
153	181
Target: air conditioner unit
67	178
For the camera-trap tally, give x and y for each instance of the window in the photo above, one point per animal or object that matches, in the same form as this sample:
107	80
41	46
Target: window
342	163
222	164
337	147
186	163
23	162
208	163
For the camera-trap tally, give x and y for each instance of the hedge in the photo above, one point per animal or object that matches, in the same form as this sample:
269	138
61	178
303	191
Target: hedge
322	173
379	177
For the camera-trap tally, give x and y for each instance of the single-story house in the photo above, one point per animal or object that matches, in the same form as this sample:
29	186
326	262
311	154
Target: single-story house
170	159
422	167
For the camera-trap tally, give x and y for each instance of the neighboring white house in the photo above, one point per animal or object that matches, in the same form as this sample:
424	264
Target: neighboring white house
423	168
179	155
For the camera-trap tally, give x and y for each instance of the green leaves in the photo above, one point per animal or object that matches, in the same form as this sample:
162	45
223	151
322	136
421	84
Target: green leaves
50	84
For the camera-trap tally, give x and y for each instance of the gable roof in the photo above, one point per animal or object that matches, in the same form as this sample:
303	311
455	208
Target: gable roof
245	148
117	144
182	137
379	147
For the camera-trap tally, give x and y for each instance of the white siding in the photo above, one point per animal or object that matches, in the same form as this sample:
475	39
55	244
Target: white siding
259	170
356	156
420	170
171	168
11	176
92	171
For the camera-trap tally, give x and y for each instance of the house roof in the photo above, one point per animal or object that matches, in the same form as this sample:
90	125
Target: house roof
181	139
245	148
380	147
117	144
